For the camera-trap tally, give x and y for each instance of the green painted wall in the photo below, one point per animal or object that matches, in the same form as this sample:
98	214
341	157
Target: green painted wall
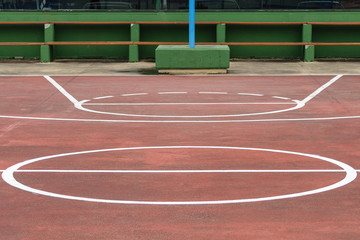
93	33
265	33
21	33
336	34
206	33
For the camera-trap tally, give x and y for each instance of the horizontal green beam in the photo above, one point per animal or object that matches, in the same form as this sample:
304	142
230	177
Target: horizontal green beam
245	16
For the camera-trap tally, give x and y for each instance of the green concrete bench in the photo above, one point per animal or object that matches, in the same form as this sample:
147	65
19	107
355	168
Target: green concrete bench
211	59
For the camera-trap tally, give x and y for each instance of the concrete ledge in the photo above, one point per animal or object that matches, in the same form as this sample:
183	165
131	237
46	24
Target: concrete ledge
200	57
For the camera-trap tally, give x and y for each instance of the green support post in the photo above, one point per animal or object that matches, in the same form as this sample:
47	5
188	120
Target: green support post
157	5
220	33
46	50
309	50
134	37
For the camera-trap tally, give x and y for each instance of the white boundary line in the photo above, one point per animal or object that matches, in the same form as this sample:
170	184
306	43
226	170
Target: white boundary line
182	121
182	171
351	174
192	75
171	103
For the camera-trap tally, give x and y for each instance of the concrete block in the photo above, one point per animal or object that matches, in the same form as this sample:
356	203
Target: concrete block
200	57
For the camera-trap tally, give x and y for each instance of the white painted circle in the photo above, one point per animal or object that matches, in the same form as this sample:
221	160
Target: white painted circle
351	174
298	104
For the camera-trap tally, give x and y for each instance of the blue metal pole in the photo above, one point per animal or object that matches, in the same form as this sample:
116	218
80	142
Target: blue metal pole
192	23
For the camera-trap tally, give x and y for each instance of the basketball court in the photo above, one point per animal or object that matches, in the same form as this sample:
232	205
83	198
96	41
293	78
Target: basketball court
180	157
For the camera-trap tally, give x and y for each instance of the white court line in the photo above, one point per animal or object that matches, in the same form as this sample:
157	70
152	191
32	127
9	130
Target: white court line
320	89
284	98
212	92
62	90
164	76
251	94
133	94
169	103
182	121
104	97
185	171
163	93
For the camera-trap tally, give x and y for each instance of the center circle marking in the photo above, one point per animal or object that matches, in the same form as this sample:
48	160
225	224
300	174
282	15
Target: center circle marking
8	176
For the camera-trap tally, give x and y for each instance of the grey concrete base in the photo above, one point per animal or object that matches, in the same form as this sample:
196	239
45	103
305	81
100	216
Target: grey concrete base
243	67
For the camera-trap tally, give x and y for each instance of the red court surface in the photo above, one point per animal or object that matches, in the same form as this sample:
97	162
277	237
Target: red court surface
180	157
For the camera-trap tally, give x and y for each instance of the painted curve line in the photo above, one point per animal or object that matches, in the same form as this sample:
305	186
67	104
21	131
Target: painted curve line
351	174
